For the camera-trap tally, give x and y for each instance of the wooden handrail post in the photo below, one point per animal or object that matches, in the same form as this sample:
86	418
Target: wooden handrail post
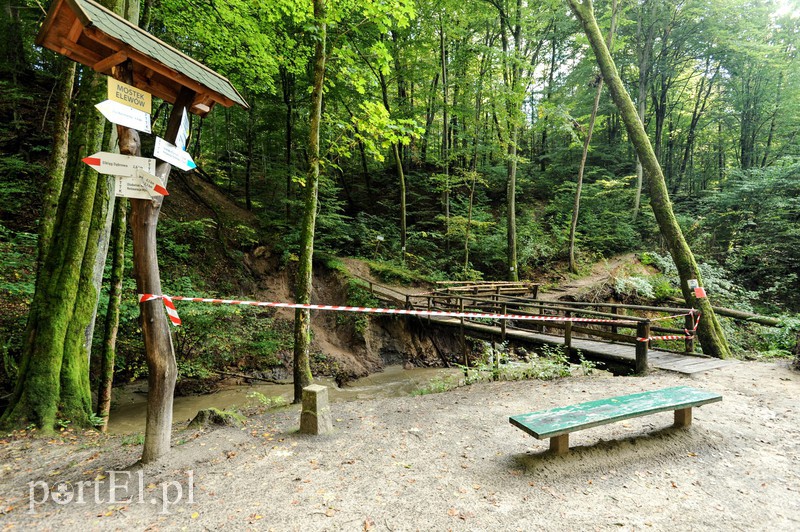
429	309
567	332
642	342
463	334
408	302
689	325
503	323
614	310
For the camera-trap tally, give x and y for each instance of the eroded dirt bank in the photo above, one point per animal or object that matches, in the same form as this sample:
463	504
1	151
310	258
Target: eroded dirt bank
452	461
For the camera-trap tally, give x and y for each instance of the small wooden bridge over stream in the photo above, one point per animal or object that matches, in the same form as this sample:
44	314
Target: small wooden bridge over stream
633	335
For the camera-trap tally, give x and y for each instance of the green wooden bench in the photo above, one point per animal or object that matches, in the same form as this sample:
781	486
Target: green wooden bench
557	423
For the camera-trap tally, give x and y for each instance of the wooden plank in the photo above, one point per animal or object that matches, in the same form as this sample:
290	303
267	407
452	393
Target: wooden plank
110	61
566	419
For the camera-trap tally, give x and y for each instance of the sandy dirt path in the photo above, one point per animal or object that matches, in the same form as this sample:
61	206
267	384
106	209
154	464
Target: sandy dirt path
447	461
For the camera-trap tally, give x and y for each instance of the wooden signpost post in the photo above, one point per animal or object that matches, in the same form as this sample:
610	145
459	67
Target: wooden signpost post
140	66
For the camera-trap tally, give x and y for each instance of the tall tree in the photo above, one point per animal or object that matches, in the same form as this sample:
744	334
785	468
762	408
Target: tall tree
53	381
573	266
302	317
518	60
712	338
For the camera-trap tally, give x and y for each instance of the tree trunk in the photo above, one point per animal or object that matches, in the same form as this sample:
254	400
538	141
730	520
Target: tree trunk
162	370
401	176
701	99
644	52
112	315
709	331
445	134
248	173
511	210
58	158
287	83
54	372
573	266
302	317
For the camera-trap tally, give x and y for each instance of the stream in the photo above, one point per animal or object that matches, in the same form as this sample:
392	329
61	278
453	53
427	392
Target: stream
129	408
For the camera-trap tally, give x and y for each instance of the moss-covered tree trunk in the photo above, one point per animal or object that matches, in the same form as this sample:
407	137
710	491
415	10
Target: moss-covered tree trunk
710	333
108	356
302	317
54	373
58	157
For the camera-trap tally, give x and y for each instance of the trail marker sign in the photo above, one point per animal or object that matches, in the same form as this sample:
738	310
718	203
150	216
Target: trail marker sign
153	184
129	95
130	187
120	165
122	115
142	185
183	132
173	155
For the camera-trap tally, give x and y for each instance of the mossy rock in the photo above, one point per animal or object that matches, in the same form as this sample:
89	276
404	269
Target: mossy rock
215	416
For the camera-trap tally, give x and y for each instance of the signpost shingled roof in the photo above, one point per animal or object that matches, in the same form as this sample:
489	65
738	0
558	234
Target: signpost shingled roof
94	36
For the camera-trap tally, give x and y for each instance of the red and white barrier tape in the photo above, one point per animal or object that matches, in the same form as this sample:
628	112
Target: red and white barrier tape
689	335
173	315
172	312
669	337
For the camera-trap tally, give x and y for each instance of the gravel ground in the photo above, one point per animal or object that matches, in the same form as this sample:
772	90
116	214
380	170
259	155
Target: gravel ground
448	461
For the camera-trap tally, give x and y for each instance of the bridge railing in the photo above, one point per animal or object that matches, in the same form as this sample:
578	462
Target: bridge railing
639	325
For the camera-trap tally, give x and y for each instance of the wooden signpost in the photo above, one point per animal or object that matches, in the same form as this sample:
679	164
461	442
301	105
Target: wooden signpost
141	65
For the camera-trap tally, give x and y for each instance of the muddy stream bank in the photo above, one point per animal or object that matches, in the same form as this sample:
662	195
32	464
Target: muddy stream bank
130	402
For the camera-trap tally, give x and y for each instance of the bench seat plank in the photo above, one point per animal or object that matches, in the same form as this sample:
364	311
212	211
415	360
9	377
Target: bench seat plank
566	419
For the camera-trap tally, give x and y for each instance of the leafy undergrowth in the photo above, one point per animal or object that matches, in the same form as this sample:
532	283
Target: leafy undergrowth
496	365
17	278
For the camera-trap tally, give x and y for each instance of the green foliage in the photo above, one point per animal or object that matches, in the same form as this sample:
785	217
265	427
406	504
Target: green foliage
17	282
551	364
179	240
438	385
132	439
270	402
392	272
751	225
358	295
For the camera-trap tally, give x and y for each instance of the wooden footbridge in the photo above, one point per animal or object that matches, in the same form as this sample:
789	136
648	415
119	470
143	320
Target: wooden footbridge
635	335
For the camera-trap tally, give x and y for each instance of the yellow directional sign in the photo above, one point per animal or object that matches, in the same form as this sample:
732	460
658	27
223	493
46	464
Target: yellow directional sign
129	95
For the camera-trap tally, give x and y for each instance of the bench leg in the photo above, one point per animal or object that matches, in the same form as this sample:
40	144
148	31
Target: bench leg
560	444
683	417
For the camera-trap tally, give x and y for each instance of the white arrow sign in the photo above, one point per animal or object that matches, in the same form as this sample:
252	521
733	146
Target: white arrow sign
183	132
154	185
120	165
130	187
143	185
173	155
123	115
